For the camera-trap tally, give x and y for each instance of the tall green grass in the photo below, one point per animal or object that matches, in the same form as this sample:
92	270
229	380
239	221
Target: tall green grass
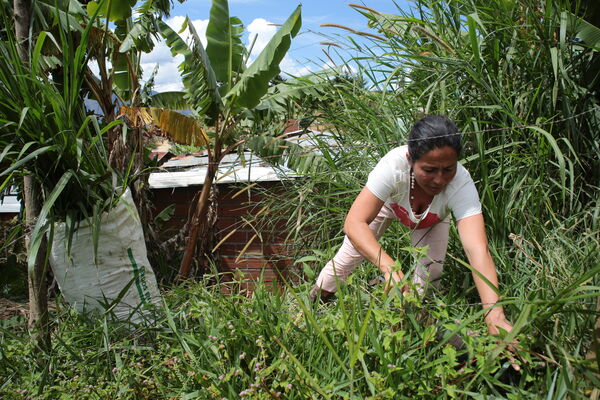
47	134
521	84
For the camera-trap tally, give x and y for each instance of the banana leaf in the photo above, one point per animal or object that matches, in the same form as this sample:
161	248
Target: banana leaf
254	82
199	79
225	48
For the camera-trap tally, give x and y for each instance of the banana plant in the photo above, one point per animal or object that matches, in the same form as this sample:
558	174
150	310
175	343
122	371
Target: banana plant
121	31
123	44
221	91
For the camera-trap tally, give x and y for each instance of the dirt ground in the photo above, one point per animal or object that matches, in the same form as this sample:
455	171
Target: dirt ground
9	309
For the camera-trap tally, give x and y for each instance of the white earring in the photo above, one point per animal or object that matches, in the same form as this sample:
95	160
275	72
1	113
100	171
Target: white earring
412	184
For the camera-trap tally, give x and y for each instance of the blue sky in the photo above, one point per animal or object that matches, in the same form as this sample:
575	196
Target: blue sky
260	18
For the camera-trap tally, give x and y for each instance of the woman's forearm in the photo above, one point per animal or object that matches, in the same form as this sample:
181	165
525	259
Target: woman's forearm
484	264
364	210
474	240
494	314
365	242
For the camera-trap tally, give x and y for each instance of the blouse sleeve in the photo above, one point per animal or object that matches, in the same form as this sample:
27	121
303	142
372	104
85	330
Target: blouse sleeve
464	202
381	180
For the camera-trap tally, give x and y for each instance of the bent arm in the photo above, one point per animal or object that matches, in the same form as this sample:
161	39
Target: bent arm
363	211
474	240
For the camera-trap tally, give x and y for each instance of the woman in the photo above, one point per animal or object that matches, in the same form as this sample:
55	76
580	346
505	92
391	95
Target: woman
419	184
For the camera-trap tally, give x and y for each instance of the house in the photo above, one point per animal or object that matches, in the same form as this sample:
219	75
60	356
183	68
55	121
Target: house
242	249
10	206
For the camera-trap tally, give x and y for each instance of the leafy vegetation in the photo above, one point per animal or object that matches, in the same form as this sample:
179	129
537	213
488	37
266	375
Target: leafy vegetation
490	72
364	345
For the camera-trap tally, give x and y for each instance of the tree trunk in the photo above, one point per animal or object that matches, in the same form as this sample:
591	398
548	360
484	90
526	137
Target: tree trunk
37	282
38	297
22	11
196	221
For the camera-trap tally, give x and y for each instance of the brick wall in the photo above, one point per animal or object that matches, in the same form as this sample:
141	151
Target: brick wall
7	216
246	250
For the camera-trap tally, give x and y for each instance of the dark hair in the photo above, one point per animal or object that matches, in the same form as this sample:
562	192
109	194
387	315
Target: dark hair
433	132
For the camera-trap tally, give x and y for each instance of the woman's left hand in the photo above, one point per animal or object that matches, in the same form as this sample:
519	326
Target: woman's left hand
496	320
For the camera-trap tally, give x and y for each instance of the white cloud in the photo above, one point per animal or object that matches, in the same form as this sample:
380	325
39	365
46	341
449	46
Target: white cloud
199	24
168	77
293	67
263	30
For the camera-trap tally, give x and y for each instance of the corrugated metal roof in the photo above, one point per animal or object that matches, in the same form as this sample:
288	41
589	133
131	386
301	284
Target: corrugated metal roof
191	170
9	204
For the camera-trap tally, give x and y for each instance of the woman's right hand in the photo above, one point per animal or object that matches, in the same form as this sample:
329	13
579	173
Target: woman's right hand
393	278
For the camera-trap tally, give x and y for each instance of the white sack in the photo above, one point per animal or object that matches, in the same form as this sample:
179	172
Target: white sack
121	258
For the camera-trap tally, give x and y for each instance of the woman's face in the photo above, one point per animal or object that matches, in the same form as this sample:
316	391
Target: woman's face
435	169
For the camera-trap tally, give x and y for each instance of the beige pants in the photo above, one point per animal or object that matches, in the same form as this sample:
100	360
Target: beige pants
428	270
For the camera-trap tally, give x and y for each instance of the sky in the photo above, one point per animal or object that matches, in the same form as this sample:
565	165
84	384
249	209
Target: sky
260	17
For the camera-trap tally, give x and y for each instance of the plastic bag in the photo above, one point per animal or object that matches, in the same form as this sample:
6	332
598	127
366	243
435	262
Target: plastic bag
119	279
